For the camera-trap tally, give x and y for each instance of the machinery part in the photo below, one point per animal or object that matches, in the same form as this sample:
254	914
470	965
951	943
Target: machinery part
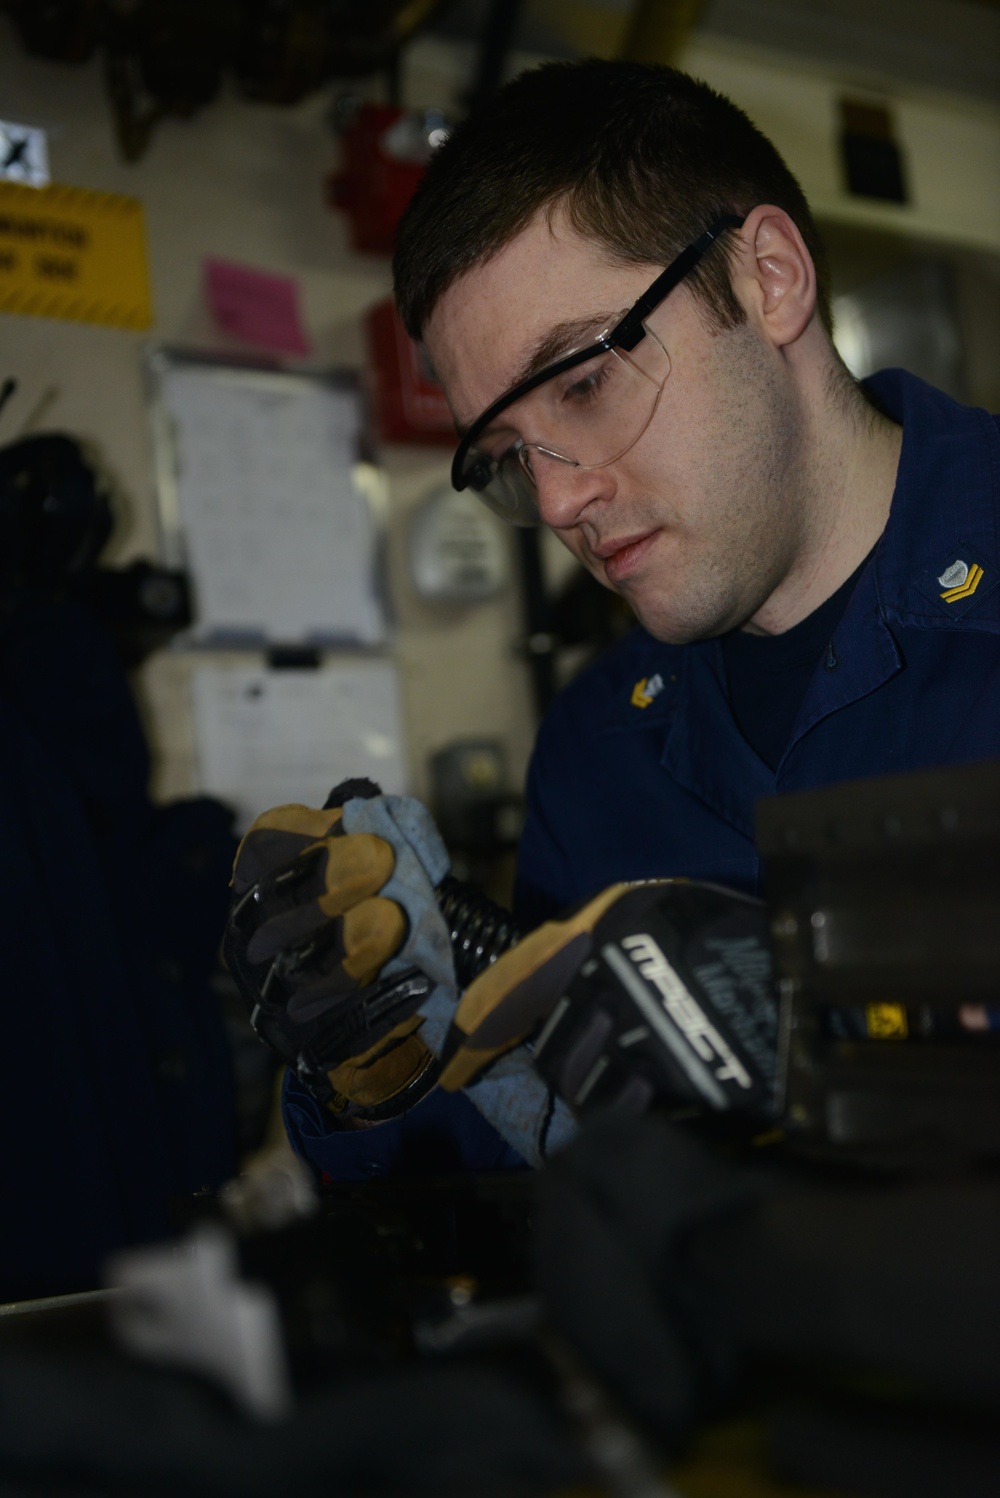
882	901
480	930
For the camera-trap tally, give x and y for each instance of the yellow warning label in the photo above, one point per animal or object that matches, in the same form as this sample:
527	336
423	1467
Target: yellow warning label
886	1021
73	253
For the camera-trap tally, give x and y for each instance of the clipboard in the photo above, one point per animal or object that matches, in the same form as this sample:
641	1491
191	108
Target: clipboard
268	497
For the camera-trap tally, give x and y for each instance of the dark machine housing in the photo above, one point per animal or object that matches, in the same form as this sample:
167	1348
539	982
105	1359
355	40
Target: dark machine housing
884	897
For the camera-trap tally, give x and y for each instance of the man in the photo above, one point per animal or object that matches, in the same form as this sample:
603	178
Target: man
621	288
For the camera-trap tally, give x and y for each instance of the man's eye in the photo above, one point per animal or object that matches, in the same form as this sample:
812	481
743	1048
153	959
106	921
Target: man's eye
588	384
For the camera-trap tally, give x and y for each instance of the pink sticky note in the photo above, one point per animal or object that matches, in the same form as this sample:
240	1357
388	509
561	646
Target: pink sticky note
256	305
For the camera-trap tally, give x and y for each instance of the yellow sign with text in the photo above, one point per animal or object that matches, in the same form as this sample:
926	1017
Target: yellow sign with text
73	253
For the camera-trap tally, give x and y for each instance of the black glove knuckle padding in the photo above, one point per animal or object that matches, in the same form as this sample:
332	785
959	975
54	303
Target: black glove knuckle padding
286	915
269	858
277	931
310	1014
675	1006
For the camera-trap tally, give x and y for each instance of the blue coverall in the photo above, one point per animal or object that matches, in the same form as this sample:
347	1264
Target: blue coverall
640	770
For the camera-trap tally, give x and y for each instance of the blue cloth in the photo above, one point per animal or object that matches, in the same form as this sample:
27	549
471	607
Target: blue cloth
640	770
769	675
661	782
421	862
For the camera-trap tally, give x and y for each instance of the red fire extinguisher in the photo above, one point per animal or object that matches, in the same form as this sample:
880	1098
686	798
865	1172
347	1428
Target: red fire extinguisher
384	151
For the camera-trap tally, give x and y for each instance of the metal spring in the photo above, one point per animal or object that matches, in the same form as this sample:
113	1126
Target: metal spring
481	931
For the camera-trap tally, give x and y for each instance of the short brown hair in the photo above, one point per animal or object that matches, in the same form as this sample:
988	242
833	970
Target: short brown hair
644	158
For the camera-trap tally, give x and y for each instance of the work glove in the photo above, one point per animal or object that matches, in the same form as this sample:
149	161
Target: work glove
659	992
336	942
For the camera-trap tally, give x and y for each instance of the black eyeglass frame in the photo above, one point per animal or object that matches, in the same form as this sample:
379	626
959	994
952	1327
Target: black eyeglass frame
627	333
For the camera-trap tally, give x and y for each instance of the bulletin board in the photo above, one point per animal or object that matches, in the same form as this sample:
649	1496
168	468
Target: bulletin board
267	498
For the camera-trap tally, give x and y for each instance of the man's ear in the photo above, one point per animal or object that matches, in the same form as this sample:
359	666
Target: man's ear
774	275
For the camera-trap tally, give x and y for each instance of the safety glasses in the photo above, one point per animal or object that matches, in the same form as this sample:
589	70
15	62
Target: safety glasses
587	408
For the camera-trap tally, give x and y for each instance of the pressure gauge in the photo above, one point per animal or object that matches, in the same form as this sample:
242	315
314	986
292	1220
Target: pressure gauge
457	550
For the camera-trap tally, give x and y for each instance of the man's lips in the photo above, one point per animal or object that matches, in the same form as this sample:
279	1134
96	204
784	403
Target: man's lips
623	557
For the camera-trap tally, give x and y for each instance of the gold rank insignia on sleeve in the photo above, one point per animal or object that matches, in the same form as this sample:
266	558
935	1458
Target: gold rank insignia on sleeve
960	580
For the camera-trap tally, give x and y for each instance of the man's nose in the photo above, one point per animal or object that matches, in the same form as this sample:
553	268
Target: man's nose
565	489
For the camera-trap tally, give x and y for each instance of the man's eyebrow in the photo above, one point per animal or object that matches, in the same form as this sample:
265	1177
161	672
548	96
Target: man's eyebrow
559	339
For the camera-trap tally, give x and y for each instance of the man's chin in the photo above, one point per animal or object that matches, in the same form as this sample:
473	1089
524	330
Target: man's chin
675	627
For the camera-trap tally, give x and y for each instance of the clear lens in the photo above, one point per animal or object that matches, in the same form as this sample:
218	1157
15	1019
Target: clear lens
580	411
588	416
504	485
